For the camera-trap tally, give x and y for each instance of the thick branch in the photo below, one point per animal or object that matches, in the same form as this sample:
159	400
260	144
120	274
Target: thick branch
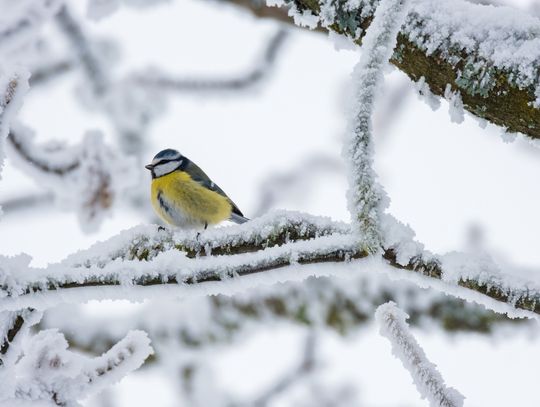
114	270
502	92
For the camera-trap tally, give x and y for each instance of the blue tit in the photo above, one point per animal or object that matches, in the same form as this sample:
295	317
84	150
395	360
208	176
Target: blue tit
183	195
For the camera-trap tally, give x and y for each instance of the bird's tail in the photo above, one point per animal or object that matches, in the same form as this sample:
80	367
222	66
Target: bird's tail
236	218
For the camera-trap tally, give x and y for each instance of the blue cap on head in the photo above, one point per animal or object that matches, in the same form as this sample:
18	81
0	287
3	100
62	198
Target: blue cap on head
167	154
165	162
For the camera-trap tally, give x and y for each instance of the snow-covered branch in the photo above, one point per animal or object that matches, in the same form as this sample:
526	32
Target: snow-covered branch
490	55
365	195
47	371
12	325
142	261
343	305
428	381
87	177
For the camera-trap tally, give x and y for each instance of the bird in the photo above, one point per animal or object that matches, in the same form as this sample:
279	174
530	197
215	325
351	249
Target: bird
184	196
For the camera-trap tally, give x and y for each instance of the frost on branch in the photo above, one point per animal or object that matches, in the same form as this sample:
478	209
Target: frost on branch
87	177
342	305
365	196
14	326
48	371
141	262
491	55
428	381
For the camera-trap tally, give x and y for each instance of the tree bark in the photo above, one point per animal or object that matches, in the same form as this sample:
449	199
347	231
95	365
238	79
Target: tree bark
505	103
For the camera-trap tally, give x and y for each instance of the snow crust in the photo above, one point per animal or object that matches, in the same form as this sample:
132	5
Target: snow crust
500	37
427	379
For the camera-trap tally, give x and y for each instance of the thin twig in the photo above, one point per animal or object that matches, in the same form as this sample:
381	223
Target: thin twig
252	77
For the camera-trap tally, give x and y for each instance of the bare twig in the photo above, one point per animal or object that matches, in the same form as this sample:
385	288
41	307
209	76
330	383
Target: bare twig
46	73
46	166
304	368
278	185
90	62
29	201
254	76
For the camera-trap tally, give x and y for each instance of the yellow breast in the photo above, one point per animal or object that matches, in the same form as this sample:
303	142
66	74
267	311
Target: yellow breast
180	201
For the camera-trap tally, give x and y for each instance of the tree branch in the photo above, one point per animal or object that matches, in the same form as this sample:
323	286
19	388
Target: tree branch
11	324
503	92
133	262
365	195
89	61
83	177
306	366
260	70
428	381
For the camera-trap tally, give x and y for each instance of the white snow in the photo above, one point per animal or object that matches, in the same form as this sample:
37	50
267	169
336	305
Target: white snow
424	93
455	105
500	37
304	18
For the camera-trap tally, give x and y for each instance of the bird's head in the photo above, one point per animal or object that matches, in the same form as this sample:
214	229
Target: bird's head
165	162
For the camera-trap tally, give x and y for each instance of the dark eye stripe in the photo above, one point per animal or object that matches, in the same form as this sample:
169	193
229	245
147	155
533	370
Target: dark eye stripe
165	161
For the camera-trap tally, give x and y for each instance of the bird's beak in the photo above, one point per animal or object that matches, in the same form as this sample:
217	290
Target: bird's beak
149	167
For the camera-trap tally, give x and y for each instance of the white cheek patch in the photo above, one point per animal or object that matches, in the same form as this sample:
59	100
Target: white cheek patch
166	168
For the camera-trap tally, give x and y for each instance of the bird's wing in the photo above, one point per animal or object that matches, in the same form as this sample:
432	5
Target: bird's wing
199	176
